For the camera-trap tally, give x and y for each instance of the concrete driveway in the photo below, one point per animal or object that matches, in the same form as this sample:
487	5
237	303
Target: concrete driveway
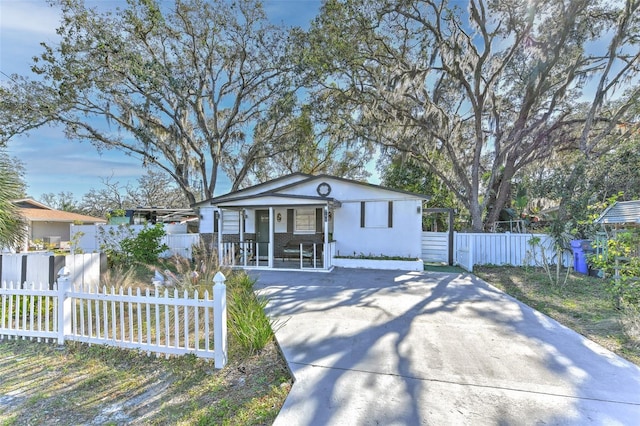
372	347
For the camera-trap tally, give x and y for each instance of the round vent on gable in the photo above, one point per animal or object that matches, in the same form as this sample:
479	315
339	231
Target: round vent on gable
324	189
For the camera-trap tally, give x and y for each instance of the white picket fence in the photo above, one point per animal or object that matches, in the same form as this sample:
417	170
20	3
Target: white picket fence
90	238
471	249
161	322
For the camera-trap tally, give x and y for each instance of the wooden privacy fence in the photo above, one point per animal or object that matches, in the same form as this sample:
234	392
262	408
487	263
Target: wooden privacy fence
161	322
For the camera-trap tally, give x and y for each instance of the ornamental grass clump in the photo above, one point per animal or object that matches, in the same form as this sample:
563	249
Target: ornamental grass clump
249	326
250	330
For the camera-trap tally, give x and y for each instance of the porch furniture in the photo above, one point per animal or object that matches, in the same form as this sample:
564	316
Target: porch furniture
291	250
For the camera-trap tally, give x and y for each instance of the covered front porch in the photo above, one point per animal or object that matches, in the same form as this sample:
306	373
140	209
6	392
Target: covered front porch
287	234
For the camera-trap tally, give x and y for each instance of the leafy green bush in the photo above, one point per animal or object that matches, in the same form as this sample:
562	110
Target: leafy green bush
110	238
145	247
123	248
619	259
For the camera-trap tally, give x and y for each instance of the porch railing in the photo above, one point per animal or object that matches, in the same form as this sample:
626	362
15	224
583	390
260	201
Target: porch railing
247	254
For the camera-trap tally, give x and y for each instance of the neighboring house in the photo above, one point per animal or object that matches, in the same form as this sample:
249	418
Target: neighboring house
621	213
153	215
49	225
303	221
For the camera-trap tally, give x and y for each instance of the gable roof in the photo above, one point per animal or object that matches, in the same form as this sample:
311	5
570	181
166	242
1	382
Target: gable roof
258	188
351	181
34	211
621	212
300	179
29	203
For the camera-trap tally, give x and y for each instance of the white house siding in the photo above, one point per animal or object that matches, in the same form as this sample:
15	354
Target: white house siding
206	219
230	221
345	191
401	239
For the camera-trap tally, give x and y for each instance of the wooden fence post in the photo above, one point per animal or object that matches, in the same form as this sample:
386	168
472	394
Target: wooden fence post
220	320
64	304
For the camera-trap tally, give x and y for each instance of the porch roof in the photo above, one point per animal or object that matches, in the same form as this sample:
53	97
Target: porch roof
275	200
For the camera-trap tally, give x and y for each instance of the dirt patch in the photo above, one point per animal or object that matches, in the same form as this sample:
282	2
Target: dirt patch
41	383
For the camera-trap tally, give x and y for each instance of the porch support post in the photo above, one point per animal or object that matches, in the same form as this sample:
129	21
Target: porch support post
220	246
325	248
450	254
241	245
271	237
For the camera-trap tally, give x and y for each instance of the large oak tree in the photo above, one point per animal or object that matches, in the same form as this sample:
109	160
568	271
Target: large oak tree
182	86
477	93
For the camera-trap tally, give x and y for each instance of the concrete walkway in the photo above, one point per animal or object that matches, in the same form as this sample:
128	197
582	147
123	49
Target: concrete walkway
390	348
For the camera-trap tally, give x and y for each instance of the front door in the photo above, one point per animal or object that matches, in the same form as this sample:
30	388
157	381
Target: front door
262	232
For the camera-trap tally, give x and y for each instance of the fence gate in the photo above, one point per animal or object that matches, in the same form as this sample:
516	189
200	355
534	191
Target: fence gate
438	246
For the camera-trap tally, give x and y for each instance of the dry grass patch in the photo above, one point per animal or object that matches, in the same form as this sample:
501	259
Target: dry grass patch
76	384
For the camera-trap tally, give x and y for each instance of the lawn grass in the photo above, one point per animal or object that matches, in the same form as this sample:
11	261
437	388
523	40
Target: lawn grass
440	267
582	304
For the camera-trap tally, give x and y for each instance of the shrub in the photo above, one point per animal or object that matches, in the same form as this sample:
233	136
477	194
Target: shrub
619	260
123	248
110	241
145	247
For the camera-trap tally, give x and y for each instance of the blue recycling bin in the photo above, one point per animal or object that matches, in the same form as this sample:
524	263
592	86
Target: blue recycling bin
581	248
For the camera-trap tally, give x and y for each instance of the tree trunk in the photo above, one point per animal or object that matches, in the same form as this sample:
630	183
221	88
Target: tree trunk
500	196
476	215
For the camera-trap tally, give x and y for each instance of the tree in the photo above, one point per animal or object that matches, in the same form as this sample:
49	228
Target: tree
12	225
310	145
152	189
179	89
157	189
579	185
409	176
97	202
476	95
62	201
616	172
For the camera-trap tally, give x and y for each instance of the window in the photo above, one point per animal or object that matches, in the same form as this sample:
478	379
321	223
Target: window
376	214
305	221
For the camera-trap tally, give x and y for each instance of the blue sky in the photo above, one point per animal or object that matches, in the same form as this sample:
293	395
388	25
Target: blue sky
54	164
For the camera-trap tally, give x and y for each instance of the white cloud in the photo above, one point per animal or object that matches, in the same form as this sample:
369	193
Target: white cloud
35	17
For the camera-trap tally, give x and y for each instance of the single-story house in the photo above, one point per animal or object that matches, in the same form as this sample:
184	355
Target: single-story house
307	221
49	225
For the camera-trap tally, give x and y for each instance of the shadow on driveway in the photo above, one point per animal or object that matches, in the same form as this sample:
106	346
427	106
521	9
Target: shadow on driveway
387	347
